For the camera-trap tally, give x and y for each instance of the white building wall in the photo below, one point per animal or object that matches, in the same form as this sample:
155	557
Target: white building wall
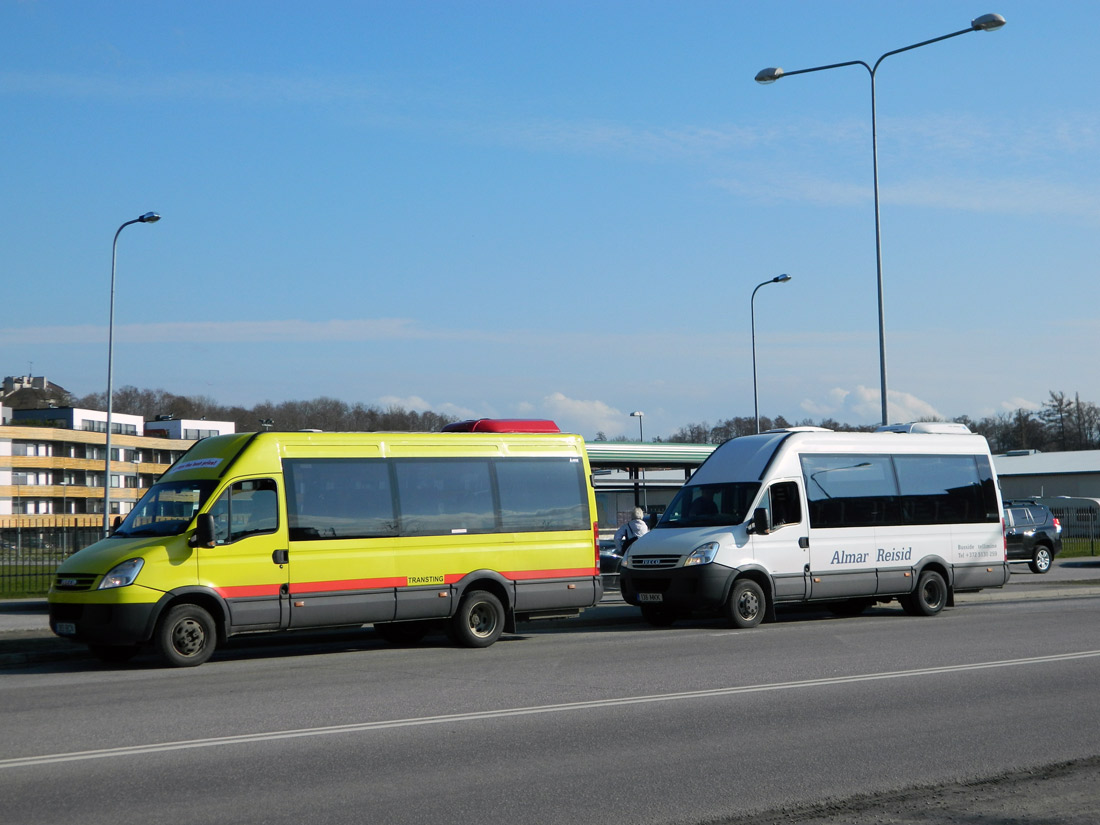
177	427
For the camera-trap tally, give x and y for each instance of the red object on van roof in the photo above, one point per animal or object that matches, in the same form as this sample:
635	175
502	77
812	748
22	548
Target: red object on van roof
502	425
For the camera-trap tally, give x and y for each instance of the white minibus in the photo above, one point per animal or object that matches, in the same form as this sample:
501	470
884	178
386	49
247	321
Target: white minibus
911	512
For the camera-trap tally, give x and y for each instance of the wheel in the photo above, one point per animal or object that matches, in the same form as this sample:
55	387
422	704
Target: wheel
479	620
402	633
851	607
746	604
657	616
113	654
1041	561
186	636
929	598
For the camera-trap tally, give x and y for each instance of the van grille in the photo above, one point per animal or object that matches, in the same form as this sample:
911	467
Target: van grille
652	562
74	581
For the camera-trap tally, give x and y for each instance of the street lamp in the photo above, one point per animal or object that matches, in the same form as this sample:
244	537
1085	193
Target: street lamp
641	470
148	217
778	279
986	23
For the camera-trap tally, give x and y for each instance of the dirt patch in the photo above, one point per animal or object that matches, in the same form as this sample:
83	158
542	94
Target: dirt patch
1067	793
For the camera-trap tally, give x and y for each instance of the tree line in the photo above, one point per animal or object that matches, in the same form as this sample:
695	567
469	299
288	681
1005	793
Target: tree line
1063	423
319	414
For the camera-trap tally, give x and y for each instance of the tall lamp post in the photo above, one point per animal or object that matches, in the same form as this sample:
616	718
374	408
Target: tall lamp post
148	217
987	22
641	470
778	279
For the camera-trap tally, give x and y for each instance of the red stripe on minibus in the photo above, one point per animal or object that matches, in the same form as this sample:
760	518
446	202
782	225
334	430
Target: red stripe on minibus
246	591
525	575
299	588
350	584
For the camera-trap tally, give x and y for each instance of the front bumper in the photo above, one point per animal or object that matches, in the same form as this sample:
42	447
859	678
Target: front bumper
102	624
699	587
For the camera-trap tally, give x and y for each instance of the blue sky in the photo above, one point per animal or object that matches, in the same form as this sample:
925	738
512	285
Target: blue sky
553	209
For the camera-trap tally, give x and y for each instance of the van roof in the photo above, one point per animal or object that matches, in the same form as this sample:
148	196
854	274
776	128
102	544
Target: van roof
502	425
938	427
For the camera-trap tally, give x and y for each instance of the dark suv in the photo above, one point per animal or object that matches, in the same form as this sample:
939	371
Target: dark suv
1033	534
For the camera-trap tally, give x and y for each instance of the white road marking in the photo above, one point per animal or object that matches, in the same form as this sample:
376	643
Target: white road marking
361	727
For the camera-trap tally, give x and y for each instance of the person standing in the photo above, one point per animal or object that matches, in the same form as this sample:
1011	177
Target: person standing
630	532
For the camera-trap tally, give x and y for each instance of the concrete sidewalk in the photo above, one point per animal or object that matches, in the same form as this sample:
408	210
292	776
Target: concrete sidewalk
25	635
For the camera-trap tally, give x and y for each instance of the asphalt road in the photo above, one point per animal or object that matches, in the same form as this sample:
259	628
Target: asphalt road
811	719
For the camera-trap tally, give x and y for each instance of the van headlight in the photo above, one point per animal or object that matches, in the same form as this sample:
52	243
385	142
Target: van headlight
122	575
703	554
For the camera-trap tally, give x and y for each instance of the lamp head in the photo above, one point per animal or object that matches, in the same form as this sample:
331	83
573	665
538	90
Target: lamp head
987	23
149	217
637	414
781	279
765	76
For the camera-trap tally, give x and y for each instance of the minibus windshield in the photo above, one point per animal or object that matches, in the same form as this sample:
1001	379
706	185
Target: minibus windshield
166	509
710	505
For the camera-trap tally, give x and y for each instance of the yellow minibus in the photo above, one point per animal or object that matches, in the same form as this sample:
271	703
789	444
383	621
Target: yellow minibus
474	529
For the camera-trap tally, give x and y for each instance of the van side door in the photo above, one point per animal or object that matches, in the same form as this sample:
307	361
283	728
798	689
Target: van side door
784	549
248	564
848	496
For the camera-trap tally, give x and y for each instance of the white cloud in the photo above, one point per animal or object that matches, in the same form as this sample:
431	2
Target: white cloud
231	88
799	188
862	404
606	136
824	409
418	404
905	407
379	329
570	414
1013	404
995	196
584	417
1015	196
410	402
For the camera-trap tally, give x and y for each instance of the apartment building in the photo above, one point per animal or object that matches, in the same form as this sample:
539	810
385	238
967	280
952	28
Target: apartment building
53	461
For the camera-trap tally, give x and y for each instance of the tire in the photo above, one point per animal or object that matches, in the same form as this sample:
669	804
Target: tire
479	620
186	636
657	616
929	598
1042	560
402	633
113	654
746	604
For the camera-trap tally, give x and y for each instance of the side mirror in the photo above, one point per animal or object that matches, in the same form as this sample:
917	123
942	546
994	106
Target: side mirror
761	524
204	532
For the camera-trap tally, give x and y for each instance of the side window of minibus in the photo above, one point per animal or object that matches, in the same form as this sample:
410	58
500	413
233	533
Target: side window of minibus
245	509
785	506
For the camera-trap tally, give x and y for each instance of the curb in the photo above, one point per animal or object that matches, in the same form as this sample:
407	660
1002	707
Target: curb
28	646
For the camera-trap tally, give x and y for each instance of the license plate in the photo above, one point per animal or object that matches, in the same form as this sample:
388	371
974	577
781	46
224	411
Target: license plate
650	597
66	629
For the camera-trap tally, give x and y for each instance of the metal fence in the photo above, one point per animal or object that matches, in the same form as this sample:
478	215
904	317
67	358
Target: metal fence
30	555
1080	526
